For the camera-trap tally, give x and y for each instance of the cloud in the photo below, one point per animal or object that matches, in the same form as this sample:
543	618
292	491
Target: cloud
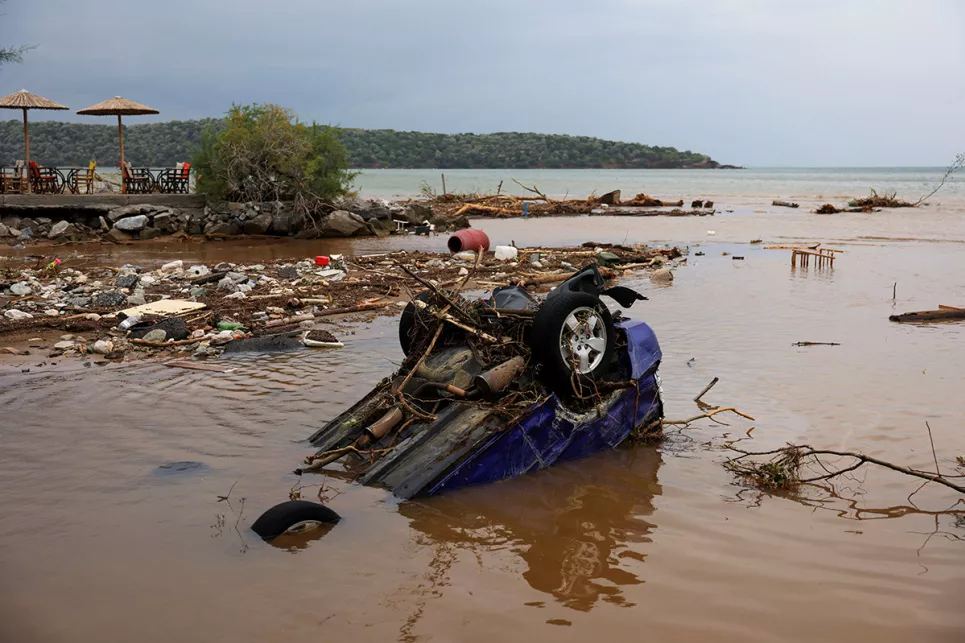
848	82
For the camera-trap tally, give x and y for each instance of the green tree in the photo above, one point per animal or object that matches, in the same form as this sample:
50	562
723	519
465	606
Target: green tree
264	153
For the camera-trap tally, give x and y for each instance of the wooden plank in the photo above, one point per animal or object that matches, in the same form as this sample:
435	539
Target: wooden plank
929	315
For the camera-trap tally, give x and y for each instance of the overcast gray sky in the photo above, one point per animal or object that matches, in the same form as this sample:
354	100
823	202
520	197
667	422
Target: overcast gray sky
753	82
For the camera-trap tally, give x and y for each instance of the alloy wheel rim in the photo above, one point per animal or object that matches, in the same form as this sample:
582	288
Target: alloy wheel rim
583	340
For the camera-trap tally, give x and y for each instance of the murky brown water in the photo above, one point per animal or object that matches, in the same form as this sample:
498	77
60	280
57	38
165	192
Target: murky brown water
98	544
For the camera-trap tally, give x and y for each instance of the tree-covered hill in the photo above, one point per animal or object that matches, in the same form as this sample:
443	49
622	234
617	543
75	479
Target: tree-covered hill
164	144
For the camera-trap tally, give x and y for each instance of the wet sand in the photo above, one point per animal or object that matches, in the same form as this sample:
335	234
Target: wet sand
99	544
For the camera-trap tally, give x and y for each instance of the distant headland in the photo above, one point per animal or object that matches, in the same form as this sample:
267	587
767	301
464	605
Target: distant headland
165	144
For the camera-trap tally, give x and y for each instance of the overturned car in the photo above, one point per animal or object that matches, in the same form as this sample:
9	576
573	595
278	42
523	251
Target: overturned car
490	389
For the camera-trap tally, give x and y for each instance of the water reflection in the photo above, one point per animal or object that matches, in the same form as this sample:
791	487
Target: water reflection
578	527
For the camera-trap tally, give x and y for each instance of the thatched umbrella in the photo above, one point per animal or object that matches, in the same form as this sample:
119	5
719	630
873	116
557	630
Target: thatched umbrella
25	100
120	107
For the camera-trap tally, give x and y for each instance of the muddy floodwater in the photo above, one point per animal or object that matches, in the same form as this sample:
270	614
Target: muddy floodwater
111	528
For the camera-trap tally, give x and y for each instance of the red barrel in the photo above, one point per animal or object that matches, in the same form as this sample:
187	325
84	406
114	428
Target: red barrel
468	239
321	261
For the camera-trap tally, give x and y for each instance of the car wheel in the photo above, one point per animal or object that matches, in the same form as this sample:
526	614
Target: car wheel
573	339
292	516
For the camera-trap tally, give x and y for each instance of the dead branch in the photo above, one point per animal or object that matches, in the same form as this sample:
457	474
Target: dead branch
534	190
958	164
706	415
782	469
713	382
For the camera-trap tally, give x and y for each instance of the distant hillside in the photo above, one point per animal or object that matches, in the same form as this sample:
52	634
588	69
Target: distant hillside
164	144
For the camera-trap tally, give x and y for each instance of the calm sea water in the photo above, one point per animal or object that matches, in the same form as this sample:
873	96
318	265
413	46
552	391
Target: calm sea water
805	184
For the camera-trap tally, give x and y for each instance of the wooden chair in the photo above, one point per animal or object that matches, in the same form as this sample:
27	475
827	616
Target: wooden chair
11	179
45	180
175	181
136	180
83	179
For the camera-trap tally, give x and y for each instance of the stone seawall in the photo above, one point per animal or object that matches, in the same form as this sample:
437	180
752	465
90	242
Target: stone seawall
122	218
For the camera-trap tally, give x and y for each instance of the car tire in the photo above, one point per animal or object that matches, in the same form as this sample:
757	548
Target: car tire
293	513
573	339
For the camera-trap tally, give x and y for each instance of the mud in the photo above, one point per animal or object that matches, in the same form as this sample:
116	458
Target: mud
653	541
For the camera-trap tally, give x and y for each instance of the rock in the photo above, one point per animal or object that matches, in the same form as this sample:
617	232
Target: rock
165	221
62	346
52	312
221	227
11	222
376	230
118	235
126	280
132	224
147	280
59	229
259	224
237	295
661	276
341	223
149	233
110	299
174	266
25	233
137	299
156	335
198	292
103	223
4	231
102	347
417	213
118	214
463	272
460	223
281	222
223	337
172	327
17	315
66	338
21	289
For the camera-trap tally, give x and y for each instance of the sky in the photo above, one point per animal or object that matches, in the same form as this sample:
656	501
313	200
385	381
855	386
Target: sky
751	82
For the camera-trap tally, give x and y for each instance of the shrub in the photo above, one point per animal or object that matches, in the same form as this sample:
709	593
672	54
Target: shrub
264	153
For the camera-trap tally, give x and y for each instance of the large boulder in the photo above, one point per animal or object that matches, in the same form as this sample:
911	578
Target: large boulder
150	233
417	213
59	229
259	224
341	223
282	222
134	223
130	211
4	231
221	227
119	236
165	221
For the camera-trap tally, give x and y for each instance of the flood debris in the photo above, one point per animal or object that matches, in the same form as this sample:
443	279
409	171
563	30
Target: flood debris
815	344
942	314
785	204
451	207
130	312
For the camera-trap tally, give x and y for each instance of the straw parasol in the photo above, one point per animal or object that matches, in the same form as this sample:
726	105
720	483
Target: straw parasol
25	100
120	107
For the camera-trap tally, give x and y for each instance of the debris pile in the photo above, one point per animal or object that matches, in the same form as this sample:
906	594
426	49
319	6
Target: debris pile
130	311
538	204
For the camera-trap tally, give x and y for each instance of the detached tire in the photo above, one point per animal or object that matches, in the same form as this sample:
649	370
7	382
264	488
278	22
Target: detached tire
573	339
286	515
414	317
407	321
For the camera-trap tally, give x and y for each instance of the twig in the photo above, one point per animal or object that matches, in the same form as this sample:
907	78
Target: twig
816	344
707	415
958	164
707	388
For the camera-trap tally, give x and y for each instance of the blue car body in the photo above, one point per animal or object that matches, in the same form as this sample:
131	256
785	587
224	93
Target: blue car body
469	444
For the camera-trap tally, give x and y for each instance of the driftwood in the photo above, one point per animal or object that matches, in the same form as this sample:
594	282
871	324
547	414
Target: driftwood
815	344
180	342
943	314
354	309
785	204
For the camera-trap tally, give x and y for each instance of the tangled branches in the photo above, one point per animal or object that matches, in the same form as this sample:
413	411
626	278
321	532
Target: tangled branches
787	467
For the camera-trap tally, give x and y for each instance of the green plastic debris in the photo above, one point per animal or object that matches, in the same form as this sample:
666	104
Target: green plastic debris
607	259
226	325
